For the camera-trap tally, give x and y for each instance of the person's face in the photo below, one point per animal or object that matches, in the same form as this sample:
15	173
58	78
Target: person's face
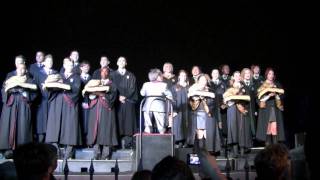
104	73
215	74
18	61
104	62
195	71
39	57
21	70
167	68
48	63
68	66
247	75
270	75
225	69
85	68
182	77
202	82
121	62
237	77
256	70
74	56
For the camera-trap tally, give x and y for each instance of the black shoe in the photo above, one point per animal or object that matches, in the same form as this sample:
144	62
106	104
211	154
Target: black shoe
247	151
106	151
185	146
8	154
168	130
106	157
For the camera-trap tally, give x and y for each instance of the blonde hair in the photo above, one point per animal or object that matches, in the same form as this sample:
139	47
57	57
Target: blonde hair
243	72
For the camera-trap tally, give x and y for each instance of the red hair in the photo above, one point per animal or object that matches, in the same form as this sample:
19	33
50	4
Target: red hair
267	72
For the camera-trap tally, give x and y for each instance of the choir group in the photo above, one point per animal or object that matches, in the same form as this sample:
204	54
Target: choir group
72	108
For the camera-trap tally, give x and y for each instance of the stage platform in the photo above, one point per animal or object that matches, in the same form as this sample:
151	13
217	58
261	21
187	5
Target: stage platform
79	167
127	176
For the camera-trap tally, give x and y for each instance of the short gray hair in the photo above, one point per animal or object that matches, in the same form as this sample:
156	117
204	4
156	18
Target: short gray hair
154	73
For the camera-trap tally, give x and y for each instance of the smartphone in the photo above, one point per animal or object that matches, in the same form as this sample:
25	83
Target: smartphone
193	159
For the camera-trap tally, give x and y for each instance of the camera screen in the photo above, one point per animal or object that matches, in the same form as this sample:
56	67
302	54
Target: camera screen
193	159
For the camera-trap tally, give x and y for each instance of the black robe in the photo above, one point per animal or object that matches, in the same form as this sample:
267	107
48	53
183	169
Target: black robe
263	119
251	106
84	111
180	106
239	131
126	112
193	79
15	122
170	81
257	81
102	120
219	113
213	142
43	107
239	124
34	69
226	80
10	74
63	122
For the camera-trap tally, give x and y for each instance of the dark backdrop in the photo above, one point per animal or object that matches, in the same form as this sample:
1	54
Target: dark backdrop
152	32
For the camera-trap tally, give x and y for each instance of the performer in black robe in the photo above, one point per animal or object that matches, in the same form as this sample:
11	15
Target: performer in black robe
104	62
180	109
168	76
45	98
63	122
195	72
125	82
102	120
84	100
225	77
74	57
250	90
220	109
203	126
35	68
270	127
257	79
15	122
239	132
18	60
34	72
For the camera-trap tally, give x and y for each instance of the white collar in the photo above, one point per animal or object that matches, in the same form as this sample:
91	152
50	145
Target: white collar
122	71
225	76
67	75
84	75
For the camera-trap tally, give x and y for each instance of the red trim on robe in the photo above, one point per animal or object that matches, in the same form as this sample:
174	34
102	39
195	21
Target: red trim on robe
68	100
101	103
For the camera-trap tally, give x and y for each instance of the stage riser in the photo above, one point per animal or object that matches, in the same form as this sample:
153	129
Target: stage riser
100	166
234	175
88	154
